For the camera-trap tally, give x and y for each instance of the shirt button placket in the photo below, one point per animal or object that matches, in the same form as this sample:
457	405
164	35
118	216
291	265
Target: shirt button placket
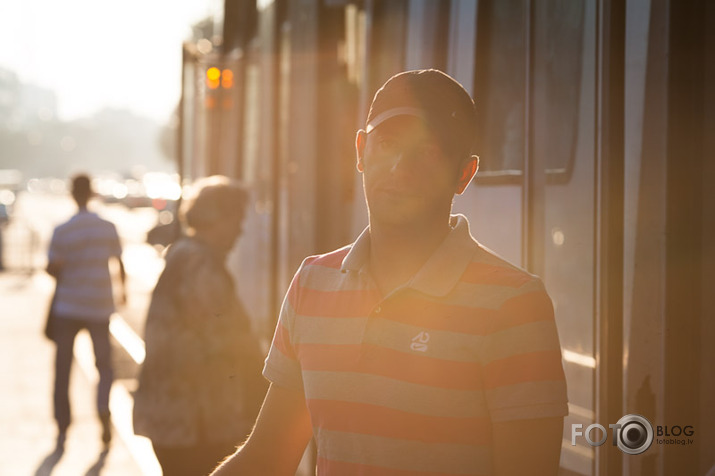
368	330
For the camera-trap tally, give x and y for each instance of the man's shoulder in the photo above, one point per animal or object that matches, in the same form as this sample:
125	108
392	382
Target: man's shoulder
99	219
83	223
67	226
489	268
95	221
321	271
331	260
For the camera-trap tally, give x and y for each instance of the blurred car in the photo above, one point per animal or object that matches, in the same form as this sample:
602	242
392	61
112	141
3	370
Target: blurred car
153	189
7	199
168	228
4	214
109	188
4	219
135	195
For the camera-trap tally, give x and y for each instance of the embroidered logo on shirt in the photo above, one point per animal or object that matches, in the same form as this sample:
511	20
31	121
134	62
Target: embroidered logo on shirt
419	342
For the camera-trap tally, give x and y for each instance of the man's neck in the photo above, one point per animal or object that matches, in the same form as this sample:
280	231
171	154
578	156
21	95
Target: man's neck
398	252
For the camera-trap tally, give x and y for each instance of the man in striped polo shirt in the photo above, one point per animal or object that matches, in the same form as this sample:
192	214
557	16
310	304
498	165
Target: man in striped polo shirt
415	350
79	256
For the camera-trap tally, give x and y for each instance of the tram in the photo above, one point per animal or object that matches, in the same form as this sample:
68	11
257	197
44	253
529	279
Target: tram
597	159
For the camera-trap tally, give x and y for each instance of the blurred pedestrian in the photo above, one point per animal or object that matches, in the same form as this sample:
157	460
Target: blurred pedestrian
200	386
79	256
414	350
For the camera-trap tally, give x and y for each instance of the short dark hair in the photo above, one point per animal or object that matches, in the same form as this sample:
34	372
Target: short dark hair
81	188
437	98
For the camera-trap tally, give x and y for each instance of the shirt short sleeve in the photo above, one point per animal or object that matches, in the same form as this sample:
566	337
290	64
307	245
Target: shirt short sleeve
521	360
282	366
55	252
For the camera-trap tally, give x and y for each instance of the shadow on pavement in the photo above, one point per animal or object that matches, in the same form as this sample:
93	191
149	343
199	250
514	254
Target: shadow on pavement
98	465
51	460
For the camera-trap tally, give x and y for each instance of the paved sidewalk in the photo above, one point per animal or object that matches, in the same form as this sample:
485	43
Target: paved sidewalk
27	429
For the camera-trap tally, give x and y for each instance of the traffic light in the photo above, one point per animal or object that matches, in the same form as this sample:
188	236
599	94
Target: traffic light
216	77
227	79
217	80
213	77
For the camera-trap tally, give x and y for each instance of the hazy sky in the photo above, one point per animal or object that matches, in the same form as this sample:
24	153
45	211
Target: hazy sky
97	53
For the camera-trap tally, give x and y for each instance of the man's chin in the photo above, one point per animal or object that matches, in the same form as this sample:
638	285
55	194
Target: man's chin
396	215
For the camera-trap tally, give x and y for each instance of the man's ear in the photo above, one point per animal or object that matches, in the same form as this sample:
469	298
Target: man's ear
360	142
467	172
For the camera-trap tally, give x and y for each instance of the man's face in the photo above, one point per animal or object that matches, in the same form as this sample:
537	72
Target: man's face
407	177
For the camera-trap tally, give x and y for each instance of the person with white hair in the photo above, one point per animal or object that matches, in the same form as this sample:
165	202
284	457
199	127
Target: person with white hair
193	399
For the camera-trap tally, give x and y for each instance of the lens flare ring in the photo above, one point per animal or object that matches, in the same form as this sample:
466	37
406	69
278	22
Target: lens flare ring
635	434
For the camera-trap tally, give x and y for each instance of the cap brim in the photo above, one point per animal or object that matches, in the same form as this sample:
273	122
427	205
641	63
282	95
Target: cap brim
390	113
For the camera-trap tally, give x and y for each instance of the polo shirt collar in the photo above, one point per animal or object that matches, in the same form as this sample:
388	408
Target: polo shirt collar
441	273
359	254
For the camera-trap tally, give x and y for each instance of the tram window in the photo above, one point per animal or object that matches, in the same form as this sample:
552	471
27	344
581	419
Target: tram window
387	45
558	44
500	84
427	34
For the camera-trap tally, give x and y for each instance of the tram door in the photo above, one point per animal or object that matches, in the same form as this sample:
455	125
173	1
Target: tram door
532	68
535	199
592	159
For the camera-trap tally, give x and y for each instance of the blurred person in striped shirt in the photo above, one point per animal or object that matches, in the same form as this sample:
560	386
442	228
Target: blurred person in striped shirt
79	256
414	350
